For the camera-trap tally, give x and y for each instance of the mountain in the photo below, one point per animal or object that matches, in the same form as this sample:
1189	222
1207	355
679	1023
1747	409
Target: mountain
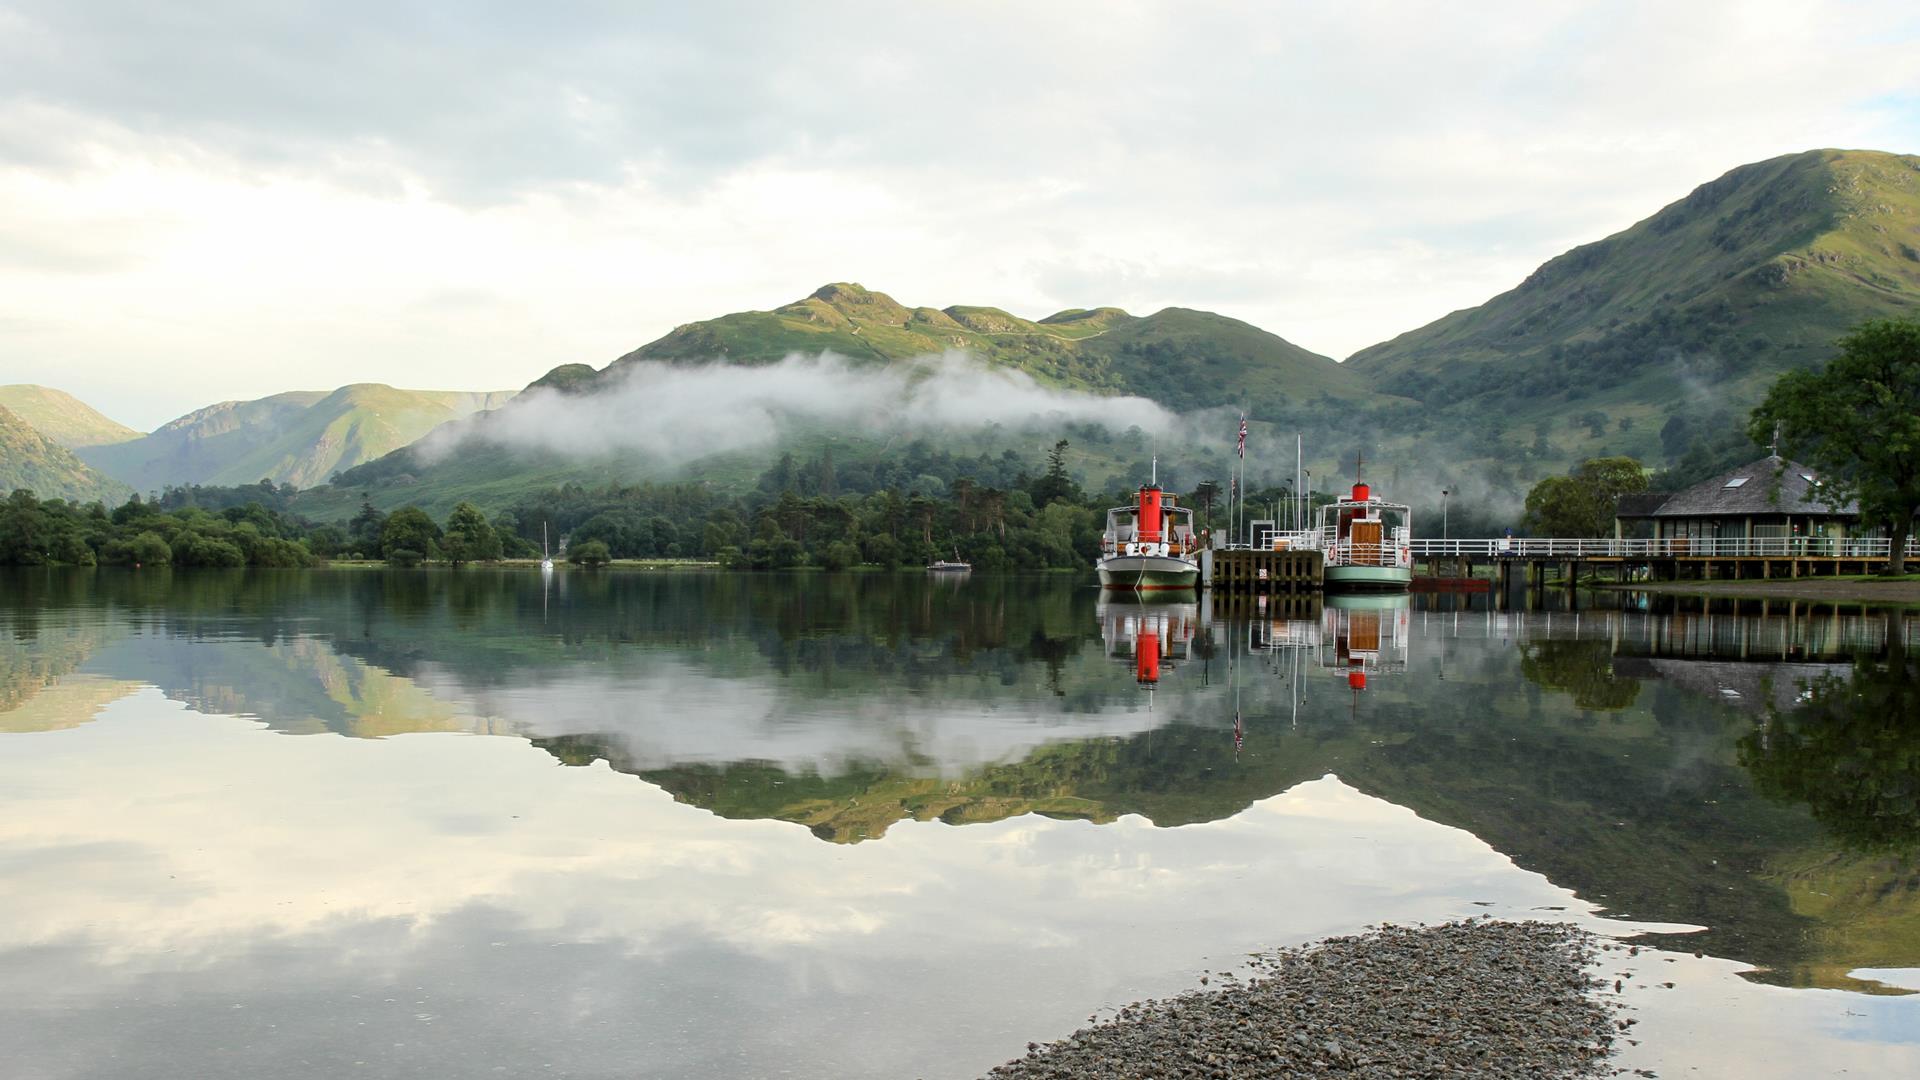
1688	314
300	438
62	417
31	460
1178	357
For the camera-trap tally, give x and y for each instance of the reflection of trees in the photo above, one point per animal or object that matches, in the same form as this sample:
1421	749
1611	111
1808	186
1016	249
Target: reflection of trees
1851	752
1581	668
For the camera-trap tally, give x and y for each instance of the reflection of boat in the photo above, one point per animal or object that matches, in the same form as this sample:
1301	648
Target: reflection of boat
1149	634
1364	635
1366	542
1149	545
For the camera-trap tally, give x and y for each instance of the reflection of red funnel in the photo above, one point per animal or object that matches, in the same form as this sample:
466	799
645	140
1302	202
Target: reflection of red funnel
1357	680
1146	657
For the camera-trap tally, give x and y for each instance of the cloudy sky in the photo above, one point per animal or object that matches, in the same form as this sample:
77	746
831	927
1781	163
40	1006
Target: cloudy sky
224	199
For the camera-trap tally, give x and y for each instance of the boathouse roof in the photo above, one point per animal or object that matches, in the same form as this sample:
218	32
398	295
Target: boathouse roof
1771	485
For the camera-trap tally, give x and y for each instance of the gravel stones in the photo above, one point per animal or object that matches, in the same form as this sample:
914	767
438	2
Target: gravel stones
1468	999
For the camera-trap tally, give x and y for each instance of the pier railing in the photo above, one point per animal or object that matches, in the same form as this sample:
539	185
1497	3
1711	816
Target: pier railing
1741	547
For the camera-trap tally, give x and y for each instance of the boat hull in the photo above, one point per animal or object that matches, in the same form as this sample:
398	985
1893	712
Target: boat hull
1148	573
1368	578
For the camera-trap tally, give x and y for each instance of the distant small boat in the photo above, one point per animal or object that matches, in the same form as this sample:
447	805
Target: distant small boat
546	560
954	566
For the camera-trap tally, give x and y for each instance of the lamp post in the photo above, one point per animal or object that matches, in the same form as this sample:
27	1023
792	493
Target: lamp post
1444	492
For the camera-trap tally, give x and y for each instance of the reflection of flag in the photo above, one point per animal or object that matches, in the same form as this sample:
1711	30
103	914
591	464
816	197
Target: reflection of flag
1243	437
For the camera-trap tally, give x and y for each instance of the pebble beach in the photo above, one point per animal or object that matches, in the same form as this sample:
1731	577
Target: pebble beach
1478	998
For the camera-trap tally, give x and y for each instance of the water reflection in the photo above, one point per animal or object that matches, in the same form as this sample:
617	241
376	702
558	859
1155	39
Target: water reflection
1668	764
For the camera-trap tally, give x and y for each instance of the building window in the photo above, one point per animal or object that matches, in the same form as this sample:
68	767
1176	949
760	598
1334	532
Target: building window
1736	481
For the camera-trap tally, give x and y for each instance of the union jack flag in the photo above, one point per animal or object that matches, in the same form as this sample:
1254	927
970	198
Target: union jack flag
1243	436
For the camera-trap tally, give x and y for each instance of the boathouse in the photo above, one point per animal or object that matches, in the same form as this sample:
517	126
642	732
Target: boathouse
1771	505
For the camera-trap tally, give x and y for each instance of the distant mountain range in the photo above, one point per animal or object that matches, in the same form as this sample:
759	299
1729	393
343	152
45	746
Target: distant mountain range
61	417
300	438
31	460
1644	343
1179	357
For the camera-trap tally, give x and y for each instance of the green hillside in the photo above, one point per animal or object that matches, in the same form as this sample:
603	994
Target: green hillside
1178	357
31	460
1181	358
62	417
300	438
1690	313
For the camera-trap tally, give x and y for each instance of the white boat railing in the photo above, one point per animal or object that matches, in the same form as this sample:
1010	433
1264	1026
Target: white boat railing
1739	547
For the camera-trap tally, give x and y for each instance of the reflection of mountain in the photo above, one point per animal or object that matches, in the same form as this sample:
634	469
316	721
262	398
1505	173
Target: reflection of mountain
39	655
848	704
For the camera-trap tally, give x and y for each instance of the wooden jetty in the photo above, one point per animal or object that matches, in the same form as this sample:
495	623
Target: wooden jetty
1662	559
1262	570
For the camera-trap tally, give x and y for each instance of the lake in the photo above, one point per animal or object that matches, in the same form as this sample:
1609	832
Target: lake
684	824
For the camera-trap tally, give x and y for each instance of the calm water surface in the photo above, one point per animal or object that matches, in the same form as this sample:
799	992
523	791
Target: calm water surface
644	825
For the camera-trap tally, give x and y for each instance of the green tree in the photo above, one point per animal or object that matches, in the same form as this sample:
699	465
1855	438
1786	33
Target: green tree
1056	484
26	533
1582	503
468	537
839	555
1857	421
411	534
590	553
365	527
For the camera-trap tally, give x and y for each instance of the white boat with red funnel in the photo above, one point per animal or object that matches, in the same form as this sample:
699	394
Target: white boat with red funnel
1149	545
1367	542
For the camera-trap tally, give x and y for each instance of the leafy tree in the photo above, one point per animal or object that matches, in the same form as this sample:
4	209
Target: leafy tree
26	534
1857	421
591	554
1056	484
143	549
366	525
409	530
839	555
468	537
192	549
1582	504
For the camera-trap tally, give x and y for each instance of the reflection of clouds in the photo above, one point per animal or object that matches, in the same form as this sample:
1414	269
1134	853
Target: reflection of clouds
341	889
194	831
663	711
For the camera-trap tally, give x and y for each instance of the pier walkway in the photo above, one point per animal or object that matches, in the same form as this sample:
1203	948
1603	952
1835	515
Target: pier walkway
1665	559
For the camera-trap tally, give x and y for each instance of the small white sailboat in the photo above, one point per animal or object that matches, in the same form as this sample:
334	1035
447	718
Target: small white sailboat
546	560
955	566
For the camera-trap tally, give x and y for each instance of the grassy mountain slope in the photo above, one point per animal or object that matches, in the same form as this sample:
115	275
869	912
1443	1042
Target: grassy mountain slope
1695	309
1178	357
31	460
62	417
299	438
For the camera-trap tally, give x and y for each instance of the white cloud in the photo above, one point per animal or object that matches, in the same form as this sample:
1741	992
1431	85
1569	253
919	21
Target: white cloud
191	216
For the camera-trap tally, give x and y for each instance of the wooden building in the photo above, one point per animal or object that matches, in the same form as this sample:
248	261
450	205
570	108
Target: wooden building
1769	506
